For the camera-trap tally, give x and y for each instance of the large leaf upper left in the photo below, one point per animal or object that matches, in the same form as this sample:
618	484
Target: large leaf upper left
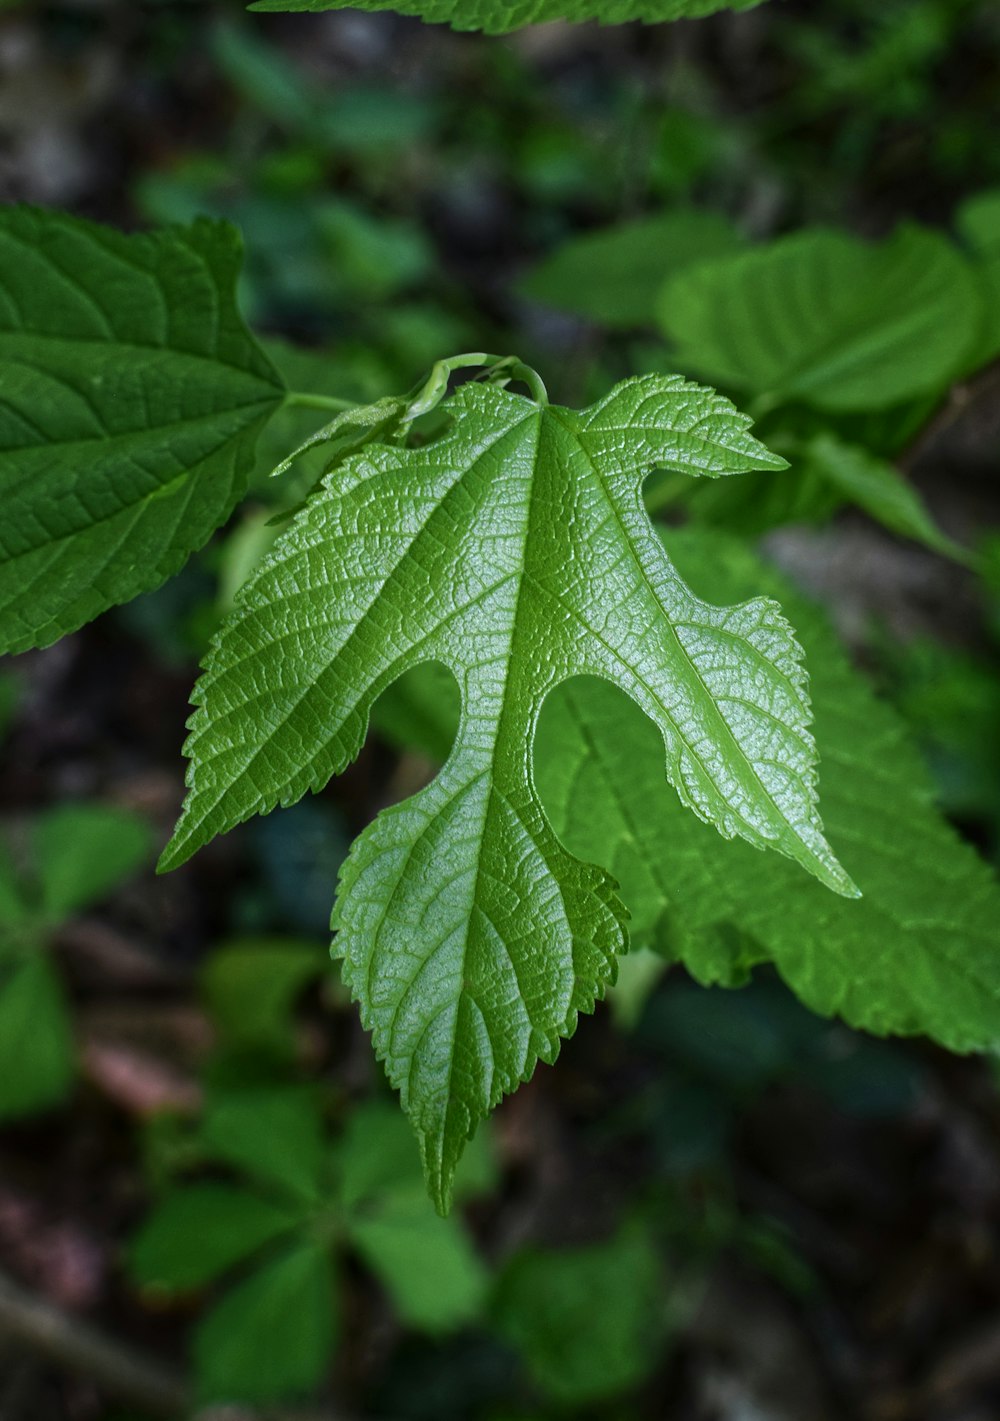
516	551
132	396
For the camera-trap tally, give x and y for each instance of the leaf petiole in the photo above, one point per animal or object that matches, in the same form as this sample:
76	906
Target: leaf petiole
501	368
305	399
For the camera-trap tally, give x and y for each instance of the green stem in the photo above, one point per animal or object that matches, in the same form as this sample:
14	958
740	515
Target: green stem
307	400
500	368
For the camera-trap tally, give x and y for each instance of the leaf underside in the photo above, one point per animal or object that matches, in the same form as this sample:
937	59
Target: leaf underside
515	551
126	355
497	17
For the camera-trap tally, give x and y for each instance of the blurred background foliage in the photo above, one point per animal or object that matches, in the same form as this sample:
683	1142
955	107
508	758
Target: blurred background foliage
718	1207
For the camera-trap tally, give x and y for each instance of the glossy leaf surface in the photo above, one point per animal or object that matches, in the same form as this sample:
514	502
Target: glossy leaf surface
516	551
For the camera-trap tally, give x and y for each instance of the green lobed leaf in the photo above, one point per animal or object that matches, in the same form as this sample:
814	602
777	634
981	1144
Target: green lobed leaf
497	17
822	317
132	398
918	953
517	552
273	1335
199	1232
615	275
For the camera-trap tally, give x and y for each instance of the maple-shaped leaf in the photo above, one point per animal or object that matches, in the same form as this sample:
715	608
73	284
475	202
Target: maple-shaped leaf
515	550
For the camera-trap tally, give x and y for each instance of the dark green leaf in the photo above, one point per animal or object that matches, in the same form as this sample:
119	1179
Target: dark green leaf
84	851
272	1336
199	1232
588	1321
132	398
36	1037
274	1134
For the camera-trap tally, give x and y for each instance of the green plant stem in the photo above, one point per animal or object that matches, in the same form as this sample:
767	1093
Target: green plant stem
304	399
501	368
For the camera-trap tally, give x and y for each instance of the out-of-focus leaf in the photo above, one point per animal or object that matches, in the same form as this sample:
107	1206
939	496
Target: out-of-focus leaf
978	220
426	1263
881	491
250	989
199	1232
615	275
824	318
273	1335
273	1134
979	223
84	851
36	1037
587	1321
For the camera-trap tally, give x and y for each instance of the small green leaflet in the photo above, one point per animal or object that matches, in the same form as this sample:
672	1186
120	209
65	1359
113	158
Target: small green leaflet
124	359
880	489
498	17
917	955
517	552
824	318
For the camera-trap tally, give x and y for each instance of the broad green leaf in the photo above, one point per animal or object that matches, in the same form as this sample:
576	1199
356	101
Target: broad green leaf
588	1321
918	953
827	319
36	1037
273	1335
83	852
133	395
200	1232
498	17
615	275
516	551
273	1133
880	490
